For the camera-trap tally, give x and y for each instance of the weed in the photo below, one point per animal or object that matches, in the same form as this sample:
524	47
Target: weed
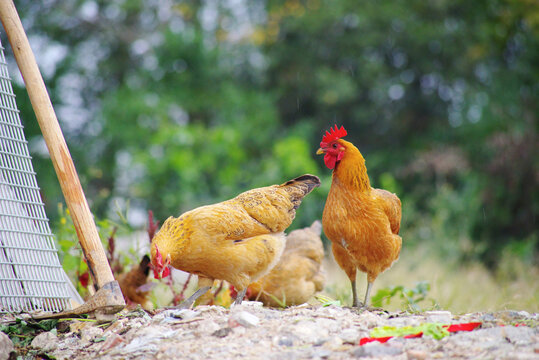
410	297
22	332
327	301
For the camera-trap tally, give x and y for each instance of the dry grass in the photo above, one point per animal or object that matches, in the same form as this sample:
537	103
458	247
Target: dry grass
459	289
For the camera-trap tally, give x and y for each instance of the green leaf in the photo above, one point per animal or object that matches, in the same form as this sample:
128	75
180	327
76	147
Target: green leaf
434	330
99	339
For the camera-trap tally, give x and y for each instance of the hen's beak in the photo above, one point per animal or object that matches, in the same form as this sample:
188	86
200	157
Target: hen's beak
320	151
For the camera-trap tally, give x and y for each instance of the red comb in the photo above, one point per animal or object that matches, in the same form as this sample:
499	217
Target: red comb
158	256
334	134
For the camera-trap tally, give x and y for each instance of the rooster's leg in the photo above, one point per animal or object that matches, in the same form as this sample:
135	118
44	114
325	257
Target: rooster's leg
240	296
355	300
367	294
191	299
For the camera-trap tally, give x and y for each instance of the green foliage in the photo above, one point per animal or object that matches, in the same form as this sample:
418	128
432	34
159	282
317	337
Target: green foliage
22	332
327	301
70	252
433	330
169	111
410	298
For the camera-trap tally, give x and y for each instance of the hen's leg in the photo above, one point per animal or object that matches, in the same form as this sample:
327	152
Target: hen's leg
187	303
240	296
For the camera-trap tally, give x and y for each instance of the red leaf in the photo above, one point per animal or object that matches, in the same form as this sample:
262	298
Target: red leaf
462	327
83	279
152	225
366	340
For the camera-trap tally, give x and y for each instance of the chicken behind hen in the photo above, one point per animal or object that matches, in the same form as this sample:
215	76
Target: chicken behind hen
135	286
298	274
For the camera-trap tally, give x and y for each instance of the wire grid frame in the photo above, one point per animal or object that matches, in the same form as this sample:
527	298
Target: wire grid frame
31	277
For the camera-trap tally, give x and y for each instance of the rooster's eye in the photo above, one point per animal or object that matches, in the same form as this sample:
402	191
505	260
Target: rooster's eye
334	146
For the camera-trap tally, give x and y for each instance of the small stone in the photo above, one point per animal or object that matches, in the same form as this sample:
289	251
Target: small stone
349	336
89	333
46	342
488	317
322	353
376	350
112	341
416	355
221	333
439	316
320	341
521	336
305	331
184	314
207	327
286	355
369	319
77	326
6	346
330	325
239	330
285	341
243	318
102	317
250	304
334	342
62	327
119	327
359	352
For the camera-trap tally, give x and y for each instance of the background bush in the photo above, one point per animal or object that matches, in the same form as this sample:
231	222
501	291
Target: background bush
174	104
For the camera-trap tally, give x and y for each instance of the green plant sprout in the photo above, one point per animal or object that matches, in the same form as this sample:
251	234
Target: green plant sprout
411	298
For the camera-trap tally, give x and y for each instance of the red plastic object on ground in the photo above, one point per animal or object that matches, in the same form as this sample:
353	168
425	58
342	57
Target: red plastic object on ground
451	328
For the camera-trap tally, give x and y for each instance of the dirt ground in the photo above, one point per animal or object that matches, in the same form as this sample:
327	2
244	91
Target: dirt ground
250	331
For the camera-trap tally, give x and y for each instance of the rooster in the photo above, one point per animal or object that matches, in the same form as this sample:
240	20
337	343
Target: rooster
361	222
297	276
237	240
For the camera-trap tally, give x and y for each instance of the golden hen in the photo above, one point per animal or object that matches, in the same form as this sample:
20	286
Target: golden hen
237	240
298	275
361	222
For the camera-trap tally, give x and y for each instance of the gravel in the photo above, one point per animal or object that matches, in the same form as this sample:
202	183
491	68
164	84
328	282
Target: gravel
302	332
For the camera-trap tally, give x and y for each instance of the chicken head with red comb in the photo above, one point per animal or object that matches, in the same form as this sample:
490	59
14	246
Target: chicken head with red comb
330	146
160	269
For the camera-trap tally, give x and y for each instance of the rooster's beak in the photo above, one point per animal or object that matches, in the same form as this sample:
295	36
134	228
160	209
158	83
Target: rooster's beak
320	151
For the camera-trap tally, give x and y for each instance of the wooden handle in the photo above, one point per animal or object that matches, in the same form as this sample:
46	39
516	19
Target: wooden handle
61	159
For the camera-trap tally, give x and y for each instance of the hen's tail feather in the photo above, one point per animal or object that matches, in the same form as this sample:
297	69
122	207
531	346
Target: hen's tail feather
310	180
300	187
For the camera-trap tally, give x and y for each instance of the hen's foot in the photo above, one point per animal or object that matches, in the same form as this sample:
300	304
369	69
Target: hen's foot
188	303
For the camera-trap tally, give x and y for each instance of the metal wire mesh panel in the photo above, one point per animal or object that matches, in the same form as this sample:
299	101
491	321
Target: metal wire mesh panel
31	277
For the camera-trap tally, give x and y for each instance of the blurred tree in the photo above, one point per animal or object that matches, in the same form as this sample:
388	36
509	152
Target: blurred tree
174	104
435	93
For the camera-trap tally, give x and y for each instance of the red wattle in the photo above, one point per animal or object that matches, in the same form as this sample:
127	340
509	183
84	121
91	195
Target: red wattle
330	160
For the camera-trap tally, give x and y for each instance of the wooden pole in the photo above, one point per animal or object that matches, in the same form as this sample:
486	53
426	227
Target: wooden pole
61	159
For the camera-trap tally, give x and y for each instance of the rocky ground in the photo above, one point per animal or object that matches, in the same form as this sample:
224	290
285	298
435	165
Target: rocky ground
251	331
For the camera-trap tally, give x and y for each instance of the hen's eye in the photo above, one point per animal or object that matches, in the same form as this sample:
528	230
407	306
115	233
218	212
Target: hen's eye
334	146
